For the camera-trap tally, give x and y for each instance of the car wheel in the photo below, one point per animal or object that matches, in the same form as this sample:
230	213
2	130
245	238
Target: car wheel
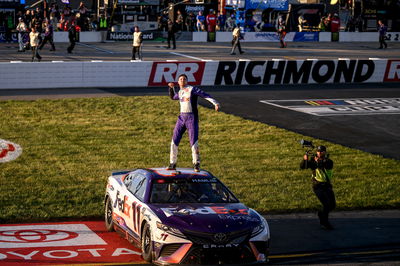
108	215
147	247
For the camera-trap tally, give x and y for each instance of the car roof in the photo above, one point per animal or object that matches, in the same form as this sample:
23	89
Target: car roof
156	173
179	173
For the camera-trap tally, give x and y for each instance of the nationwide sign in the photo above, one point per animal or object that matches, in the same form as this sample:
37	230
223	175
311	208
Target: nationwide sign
332	107
64	243
264	4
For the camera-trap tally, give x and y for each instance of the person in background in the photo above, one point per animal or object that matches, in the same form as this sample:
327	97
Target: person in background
236	40
21	29
71	37
322	24
230	23
34	42
9	26
335	23
211	21
382	29
48	36
321	167
221	20
53	20
200	22
179	21
82	20
302	23
103	27
282	32
171	34
137	43
190	22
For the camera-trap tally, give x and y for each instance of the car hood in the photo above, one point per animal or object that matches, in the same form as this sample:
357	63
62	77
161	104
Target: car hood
210	218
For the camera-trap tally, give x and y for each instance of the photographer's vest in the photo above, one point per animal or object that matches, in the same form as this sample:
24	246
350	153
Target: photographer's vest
322	175
103	23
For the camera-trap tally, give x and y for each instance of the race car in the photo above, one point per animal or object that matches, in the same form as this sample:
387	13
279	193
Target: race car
184	217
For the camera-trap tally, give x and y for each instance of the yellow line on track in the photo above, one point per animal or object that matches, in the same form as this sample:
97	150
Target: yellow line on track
292	255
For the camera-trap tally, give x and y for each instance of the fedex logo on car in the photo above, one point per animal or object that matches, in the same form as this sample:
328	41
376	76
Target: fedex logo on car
392	71
164	72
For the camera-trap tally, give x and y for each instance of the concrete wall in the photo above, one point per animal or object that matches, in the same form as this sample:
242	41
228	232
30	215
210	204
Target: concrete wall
146	73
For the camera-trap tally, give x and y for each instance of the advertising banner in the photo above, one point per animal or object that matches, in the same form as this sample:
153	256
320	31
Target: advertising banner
306	37
147	73
128	36
264	4
83	243
260	37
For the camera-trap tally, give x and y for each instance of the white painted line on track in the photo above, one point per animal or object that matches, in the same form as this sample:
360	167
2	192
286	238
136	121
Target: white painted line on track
188	56
96	48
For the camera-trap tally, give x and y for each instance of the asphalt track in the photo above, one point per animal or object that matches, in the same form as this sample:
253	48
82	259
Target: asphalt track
360	237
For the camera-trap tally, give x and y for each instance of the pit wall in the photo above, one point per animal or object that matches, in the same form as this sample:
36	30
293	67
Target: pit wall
94	36
147	74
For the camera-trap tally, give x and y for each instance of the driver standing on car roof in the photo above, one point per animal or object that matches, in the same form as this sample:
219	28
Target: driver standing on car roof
321	167
187	119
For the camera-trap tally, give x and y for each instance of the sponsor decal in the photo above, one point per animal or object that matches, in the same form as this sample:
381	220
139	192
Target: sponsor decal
55	235
132	211
392	36
306	37
194	9
66	243
204	210
164	72
330	107
293	72
392	72
208	246
128	36
9	151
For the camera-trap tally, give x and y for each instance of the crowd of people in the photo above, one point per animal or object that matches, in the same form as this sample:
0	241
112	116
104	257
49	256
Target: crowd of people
198	22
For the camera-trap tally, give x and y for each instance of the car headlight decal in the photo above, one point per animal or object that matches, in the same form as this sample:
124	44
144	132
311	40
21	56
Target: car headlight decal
170	230
258	229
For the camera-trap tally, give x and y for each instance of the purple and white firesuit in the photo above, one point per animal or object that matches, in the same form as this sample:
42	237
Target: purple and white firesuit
187	119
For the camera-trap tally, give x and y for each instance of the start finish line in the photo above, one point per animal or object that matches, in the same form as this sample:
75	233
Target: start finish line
331	107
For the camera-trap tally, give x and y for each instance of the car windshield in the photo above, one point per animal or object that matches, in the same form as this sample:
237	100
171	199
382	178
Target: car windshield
204	190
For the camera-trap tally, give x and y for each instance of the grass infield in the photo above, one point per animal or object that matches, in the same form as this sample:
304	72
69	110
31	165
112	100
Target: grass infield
70	146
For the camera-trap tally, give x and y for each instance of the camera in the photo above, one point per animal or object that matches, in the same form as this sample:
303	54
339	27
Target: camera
306	143
310	147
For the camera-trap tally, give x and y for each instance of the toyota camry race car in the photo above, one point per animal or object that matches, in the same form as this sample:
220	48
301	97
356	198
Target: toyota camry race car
184	217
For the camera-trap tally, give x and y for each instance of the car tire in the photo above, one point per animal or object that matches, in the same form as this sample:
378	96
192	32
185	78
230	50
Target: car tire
147	247
108	215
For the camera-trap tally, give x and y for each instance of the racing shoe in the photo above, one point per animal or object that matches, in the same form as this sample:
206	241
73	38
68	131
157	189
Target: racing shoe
196	167
172	166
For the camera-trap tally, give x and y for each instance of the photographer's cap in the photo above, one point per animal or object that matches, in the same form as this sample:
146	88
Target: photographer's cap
321	148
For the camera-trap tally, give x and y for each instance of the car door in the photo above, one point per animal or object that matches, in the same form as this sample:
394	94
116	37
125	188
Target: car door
136	187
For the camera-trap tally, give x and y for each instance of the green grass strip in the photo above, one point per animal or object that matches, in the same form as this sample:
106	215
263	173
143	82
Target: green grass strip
70	146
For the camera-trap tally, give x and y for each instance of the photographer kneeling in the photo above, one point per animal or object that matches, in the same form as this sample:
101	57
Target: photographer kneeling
321	167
